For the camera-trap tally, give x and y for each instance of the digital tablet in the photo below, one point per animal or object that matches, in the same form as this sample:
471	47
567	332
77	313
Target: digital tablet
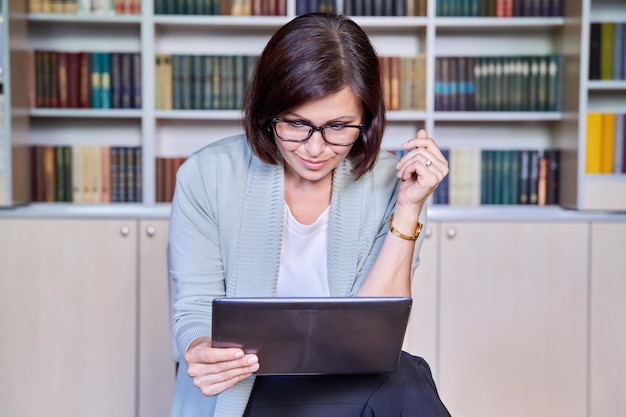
330	335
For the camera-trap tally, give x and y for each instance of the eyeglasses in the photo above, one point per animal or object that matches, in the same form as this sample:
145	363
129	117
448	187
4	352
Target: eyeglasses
339	134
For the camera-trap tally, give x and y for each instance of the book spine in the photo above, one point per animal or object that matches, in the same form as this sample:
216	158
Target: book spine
606	50
105	79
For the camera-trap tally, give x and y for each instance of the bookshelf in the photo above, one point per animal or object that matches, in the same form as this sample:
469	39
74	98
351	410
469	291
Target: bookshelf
607	190
175	133
14	164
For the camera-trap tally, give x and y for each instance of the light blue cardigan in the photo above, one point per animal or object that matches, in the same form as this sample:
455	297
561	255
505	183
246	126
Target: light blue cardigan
225	235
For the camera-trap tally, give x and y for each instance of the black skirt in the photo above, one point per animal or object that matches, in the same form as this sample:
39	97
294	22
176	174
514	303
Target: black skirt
409	391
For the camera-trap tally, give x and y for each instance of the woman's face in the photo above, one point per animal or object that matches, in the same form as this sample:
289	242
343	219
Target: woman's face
315	159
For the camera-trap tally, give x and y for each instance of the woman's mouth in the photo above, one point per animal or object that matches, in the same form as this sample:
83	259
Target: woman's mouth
314	165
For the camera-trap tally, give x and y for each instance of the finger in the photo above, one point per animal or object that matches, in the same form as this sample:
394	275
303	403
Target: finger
423	154
204	353
421	134
216	384
204	368
423	142
421	165
226	369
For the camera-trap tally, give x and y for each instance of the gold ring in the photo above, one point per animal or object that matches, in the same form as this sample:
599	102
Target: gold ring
428	163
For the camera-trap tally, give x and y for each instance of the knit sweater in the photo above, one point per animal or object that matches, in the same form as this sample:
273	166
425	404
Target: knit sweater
226	229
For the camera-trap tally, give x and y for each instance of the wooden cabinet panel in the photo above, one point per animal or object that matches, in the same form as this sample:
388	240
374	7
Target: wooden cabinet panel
513	331
608	318
156	366
68	318
421	335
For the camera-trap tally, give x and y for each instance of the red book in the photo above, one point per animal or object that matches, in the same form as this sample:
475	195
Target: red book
84	88
73	79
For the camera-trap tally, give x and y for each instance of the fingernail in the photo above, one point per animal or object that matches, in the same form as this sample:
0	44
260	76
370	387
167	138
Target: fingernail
254	367
238	354
253	359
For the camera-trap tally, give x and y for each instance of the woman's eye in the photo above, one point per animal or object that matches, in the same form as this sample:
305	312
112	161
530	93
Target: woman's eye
296	124
337	126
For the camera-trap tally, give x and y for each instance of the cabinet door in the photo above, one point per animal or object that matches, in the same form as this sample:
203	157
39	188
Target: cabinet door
156	366
514	319
608	315
68	312
420	339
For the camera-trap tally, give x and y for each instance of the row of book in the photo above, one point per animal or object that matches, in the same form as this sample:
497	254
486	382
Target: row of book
404	82
98	80
499	8
202	81
165	170
607	51
384	7
514	83
85	6
313	6
605	143
86	174
512	177
221	7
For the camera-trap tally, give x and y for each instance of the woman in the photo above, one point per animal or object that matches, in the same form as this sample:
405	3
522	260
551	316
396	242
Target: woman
304	204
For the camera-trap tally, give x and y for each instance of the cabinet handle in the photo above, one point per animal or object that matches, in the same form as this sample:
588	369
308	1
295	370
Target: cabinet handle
428	233
124	230
451	233
151	231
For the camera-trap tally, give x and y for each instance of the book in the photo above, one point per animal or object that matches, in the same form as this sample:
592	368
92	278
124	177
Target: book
542	180
606	50
553	184
533	179
96	80
593	144
607	152
524	177
618	51
619	136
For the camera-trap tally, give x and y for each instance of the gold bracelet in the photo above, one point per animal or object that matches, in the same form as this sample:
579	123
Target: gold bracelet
402	235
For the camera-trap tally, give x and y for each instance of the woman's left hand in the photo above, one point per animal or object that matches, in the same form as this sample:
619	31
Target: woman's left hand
421	170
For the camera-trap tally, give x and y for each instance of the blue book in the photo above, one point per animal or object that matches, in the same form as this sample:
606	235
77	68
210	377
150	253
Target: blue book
441	193
618	51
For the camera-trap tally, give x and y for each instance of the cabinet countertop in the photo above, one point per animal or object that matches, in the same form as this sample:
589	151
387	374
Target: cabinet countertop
161	211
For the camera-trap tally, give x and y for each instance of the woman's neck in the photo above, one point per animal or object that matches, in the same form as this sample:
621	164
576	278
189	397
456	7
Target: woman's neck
307	199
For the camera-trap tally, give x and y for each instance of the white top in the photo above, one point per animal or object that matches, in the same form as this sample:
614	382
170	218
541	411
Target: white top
303	267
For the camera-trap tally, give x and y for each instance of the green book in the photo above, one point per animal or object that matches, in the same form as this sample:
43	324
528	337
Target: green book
59	174
207	79
105	78
607	30
197	80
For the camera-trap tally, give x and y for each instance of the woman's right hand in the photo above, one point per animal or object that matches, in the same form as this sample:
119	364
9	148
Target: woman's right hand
214	370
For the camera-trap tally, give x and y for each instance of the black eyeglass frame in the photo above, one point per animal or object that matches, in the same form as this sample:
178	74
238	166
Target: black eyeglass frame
313	128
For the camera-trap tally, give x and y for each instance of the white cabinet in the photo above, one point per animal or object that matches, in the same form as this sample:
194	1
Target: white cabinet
84	318
608	315
68	318
512	321
156	367
421	335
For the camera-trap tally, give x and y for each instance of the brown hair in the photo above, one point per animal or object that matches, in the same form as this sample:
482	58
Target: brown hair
310	57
